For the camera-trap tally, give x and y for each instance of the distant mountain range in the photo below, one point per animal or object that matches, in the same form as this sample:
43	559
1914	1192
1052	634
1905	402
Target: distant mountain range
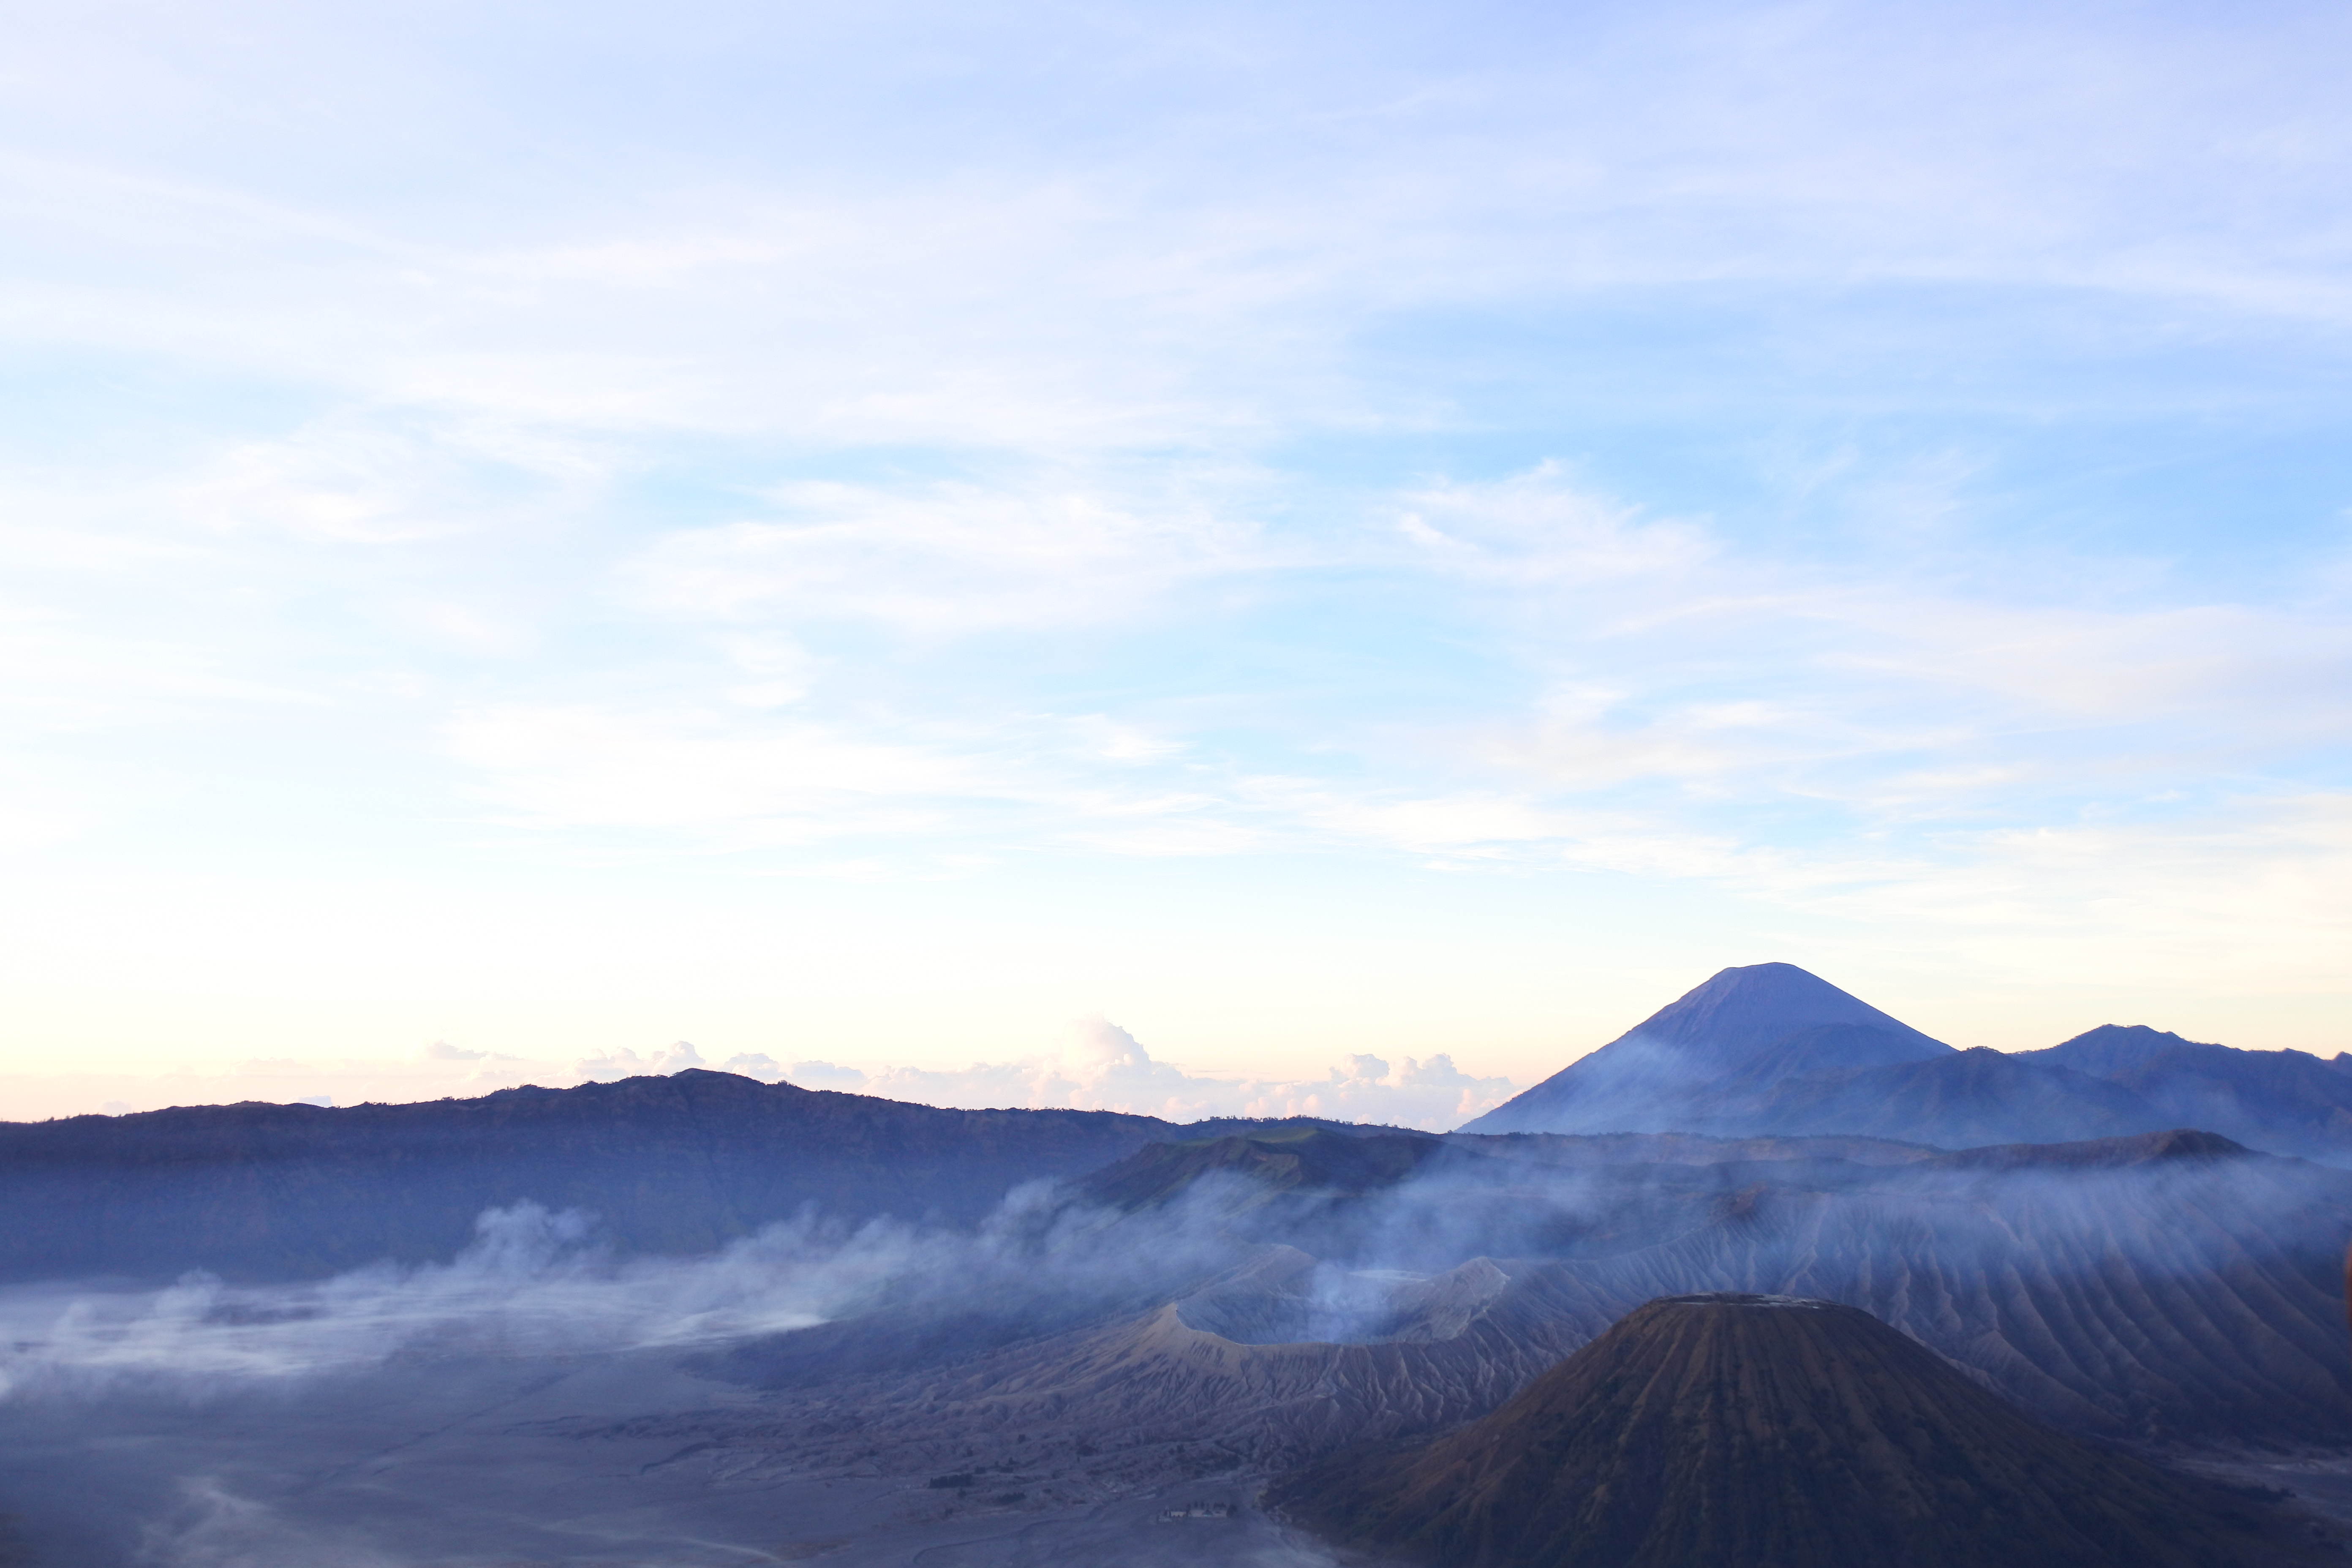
2092	1234
675	1165
687	1162
1772	1050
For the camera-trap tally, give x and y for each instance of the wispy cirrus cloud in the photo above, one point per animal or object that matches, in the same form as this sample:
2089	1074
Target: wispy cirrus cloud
1200	262
1786	454
1668	685
949	557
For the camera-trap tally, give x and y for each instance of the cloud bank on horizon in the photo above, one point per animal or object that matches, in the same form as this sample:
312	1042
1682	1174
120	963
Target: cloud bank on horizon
1856	486
1100	1066
1107	1069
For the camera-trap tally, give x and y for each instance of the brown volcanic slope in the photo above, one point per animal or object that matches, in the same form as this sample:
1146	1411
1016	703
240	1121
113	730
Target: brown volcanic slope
2166	1287
1235	1370
1772	1432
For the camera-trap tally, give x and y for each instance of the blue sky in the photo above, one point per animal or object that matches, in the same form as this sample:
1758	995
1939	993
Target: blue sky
876	534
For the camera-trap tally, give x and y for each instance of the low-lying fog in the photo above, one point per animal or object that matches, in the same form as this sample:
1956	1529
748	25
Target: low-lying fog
539	1400
461	1414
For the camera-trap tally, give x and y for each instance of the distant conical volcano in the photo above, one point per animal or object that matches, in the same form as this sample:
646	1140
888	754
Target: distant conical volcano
1764	1021
1740	1011
1769	1432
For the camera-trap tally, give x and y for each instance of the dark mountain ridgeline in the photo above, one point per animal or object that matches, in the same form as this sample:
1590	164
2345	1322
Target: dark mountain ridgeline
1592	1150
1408	1200
1268	1164
2181	1144
2111	1050
1736	1428
676	1164
2289	1102
1973	1097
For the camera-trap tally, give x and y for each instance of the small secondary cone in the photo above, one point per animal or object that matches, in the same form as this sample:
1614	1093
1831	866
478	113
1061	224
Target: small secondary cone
1736	1431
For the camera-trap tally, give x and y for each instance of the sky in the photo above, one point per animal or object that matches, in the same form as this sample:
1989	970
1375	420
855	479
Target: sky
1190	557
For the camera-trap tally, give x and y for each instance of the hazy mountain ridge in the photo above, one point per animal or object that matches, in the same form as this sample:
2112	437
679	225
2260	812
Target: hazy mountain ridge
687	1162
1291	1161
1588	1149
666	1165
2289	1101
1770	1050
1973	1097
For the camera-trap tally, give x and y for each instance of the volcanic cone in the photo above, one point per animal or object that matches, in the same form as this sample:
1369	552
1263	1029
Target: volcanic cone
1731	1431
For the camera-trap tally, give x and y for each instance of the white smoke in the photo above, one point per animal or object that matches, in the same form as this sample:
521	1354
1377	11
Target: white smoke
537	1283
532	1281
